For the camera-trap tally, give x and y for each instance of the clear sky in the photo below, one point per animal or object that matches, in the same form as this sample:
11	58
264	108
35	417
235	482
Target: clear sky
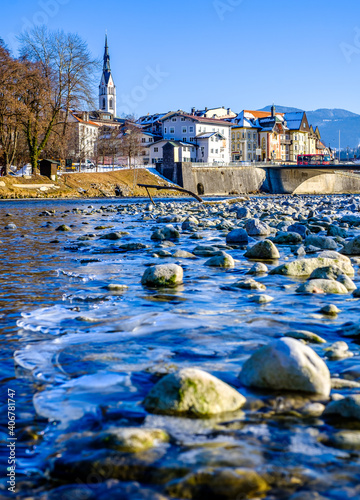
244	54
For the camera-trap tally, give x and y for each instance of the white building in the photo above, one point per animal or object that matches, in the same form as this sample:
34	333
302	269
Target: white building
107	89
211	137
84	136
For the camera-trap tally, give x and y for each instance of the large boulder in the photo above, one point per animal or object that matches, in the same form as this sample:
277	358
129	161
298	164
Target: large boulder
132	439
287	364
348	407
263	250
193	392
163	275
304	267
326	273
237	237
255	227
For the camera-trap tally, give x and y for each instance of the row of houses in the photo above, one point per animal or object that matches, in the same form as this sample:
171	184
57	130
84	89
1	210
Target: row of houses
219	135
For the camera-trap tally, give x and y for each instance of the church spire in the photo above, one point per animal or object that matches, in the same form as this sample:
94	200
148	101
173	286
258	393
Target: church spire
107	89
106	56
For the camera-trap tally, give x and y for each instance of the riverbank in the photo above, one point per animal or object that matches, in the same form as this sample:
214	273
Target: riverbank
122	183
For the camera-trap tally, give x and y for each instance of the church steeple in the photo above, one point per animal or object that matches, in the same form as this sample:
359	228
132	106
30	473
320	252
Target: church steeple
107	89
106	56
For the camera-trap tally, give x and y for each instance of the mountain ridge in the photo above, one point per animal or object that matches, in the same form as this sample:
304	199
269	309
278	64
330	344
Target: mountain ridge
330	121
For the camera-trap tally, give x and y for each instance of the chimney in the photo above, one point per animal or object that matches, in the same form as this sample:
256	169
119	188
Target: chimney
206	109
192	111
228	111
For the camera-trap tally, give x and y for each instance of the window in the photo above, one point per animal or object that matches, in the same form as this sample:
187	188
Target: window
173	119
193	150
191	129
238	136
165	130
213	130
184	130
223	131
182	119
156	150
111	104
103	103
217	151
254	136
233	137
172	130
184	139
212	151
249	136
143	139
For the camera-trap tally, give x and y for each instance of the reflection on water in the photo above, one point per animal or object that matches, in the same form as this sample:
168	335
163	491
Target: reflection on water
81	357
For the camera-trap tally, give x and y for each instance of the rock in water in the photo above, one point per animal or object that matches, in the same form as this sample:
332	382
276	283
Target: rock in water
304	267
348	407
223	260
322	286
166	233
255	227
237	237
193	392
133	439
263	250
163	275
352	247
287	364
221	484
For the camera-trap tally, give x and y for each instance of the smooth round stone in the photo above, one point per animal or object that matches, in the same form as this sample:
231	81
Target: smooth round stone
304	267
254	227
339	350
322	242
287	364
261	299
223	260
352	247
249	284
193	392
348	407
258	268
11	226
224	483
163	275
63	227
165	233
263	250
287	238
347	282
133	439
344	440
237	237
322	286
313	410
114	287
340	383
326	273
182	254
330	310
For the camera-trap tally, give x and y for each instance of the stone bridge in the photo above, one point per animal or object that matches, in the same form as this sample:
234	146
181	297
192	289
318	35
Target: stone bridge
232	180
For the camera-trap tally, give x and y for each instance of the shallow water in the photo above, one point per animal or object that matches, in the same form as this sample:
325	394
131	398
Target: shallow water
81	359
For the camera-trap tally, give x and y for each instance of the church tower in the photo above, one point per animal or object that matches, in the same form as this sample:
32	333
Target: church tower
107	89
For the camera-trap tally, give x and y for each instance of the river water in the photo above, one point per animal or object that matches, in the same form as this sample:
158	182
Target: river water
81	359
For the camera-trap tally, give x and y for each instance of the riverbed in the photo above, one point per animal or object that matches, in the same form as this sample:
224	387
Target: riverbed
83	342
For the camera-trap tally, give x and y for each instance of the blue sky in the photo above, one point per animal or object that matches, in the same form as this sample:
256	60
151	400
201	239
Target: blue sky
169	55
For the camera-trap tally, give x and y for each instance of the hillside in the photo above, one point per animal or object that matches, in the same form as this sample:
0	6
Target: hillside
330	121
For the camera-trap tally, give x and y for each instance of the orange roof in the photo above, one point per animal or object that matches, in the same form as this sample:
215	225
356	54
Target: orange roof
261	114
83	121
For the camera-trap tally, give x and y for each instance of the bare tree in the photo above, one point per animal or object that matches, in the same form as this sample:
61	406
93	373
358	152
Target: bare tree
12	79
67	71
